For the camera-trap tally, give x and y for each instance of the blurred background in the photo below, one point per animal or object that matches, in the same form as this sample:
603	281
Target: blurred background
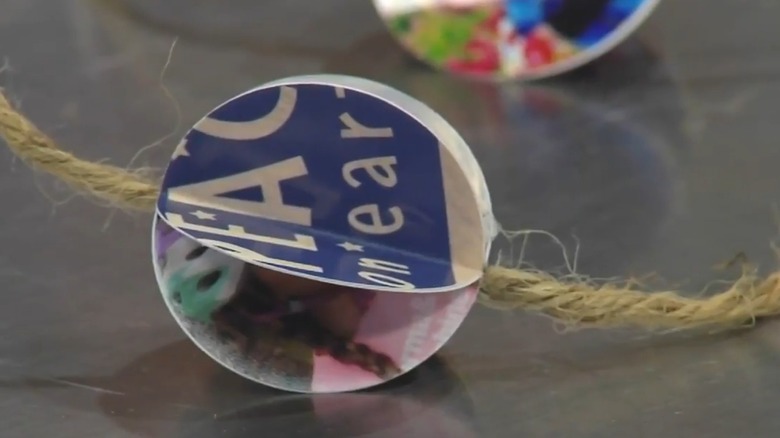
656	159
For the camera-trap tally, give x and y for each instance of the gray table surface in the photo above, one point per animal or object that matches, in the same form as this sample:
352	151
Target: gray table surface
661	158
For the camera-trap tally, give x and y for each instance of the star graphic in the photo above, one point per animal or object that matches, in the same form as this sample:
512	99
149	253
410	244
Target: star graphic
181	150
202	215
351	246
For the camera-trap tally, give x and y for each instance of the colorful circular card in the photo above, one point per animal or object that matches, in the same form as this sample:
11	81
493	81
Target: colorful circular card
512	39
321	233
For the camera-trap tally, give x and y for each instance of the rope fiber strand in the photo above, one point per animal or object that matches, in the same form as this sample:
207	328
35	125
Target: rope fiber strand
578	303
129	190
572	301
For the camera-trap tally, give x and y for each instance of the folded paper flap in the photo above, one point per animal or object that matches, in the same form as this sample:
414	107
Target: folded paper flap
333	183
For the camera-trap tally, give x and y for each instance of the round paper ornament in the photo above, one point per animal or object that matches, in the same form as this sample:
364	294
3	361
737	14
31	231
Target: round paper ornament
321	233
512	39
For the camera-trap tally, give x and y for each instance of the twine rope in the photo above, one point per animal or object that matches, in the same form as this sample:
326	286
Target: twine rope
573	301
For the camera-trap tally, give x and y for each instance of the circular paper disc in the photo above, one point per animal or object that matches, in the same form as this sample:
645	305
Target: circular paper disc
512	39
299	223
336	179
298	336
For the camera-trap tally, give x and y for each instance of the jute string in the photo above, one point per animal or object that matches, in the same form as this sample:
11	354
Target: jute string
571	300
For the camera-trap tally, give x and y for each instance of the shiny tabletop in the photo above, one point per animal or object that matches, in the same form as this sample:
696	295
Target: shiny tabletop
657	161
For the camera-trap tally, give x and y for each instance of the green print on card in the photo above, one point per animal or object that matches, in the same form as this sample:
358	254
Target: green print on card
198	296
439	35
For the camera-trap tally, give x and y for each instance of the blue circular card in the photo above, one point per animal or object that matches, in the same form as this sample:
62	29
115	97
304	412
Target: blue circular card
336	179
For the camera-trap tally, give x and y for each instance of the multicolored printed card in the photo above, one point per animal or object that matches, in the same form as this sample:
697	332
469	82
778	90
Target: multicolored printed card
512	39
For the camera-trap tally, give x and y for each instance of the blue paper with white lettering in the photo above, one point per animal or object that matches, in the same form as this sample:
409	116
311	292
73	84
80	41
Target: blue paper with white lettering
323	182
